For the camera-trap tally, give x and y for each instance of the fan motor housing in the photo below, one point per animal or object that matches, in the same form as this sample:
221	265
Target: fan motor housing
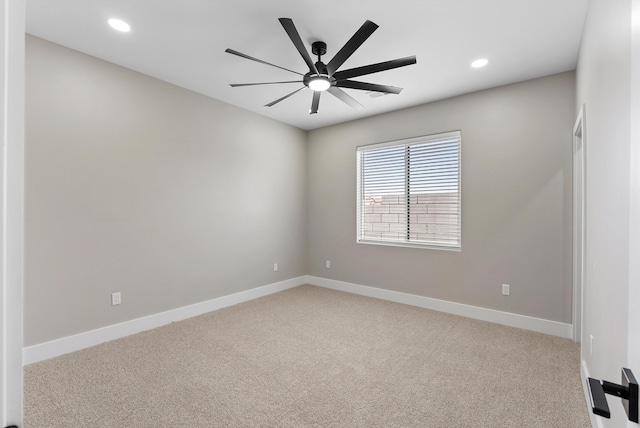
318	48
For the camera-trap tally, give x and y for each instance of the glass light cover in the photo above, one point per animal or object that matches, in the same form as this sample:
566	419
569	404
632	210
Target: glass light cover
319	84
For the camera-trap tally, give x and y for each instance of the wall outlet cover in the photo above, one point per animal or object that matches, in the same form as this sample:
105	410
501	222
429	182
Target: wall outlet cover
116	298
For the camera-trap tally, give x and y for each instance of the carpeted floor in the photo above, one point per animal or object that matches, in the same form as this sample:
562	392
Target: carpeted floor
312	357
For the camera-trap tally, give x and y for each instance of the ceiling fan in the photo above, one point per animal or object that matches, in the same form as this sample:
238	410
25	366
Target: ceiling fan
326	77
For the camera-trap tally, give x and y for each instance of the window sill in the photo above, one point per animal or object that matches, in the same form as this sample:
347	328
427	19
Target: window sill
441	247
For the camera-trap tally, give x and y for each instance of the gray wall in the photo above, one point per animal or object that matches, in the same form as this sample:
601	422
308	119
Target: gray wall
516	201
138	186
173	198
604	86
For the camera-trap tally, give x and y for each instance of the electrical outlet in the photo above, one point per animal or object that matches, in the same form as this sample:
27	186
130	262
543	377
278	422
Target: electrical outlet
506	289
275	267
327	264
116	298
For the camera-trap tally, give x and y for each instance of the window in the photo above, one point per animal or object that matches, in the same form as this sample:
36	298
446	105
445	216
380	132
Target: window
409	192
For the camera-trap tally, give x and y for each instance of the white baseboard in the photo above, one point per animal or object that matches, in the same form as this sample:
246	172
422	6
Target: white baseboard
65	345
506	318
596	421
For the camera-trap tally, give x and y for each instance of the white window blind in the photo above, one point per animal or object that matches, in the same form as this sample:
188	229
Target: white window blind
409	192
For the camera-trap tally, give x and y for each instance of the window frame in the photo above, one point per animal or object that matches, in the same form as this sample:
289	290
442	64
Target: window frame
432	138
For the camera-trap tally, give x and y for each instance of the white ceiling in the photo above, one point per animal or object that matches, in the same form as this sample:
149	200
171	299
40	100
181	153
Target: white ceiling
183	42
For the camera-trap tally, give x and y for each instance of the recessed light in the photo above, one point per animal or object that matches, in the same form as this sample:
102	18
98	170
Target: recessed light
120	25
479	63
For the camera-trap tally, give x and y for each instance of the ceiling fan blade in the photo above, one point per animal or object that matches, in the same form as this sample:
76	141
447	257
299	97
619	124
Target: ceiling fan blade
240	54
235	85
315	102
291	30
272	103
352	84
344	97
374	68
350	47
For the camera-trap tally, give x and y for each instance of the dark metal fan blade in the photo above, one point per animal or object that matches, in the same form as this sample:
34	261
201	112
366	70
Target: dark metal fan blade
290	28
350	47
315	102
374	68
235	85
344	97
352	84
272	103
240	54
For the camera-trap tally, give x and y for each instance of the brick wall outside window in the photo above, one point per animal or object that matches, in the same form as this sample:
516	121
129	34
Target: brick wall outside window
433	216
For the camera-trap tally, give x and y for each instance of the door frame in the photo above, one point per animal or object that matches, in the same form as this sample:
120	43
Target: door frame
579	193
633	322
12	96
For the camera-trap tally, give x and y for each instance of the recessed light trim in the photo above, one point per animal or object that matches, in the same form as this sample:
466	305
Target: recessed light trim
119	25
479	63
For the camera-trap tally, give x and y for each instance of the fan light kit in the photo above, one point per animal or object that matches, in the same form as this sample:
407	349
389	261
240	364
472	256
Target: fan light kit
326	77
319	83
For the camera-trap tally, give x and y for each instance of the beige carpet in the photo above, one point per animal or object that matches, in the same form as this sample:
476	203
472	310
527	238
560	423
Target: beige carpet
312	357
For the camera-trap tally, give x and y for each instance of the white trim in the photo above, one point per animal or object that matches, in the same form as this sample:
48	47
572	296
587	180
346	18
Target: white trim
633	317
65	345
596	421
578	204
12	17
506	318
406	244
